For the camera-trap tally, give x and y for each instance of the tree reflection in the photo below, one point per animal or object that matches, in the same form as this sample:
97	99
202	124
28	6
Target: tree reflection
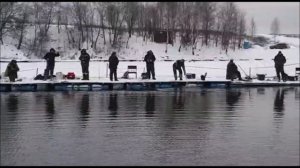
113	104
150	104
232	97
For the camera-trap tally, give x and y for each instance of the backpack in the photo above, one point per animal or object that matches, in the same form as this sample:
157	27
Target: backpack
71	75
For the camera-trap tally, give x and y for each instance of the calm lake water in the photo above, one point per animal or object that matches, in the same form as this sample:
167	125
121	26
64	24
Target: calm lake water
191	126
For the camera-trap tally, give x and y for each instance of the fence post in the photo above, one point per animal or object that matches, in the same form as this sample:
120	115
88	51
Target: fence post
106	69
250	72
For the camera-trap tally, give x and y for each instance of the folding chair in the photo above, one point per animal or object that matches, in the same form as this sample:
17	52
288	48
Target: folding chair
132	69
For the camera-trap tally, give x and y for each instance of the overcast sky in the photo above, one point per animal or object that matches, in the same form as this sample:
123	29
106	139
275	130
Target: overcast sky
265	12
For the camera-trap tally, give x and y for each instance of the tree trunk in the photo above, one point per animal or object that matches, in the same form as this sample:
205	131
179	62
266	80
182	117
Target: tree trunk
20	40
96	40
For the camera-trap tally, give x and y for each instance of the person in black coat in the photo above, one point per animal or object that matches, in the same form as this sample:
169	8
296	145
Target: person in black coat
232	71
279	63
85	60
149	59
50	58
178	65
12	70
113	65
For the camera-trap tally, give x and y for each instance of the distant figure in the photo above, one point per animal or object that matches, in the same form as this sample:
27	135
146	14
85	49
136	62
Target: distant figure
12	70
149	59
232	71
50	58
85	60
113	65
279	63
178	65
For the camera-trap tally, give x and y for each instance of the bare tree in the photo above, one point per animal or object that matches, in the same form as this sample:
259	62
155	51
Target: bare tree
78	13
58	16
241	28
208	18
228	23
115	19
101	8
275	27
131	14
21	21
252	28
173	7
46	19
7	13
185	13
217	27
196	21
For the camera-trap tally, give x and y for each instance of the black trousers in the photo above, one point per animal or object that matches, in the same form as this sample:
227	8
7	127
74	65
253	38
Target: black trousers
49	69
280	70
113	72
150	70
175	72
85	71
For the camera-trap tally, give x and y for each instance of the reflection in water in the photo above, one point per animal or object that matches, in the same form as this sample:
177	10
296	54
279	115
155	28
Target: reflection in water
297	93
50	108
178	99
12	106
279	103
113	104
232	97
150	104
12	103
261	90
203	133
84	107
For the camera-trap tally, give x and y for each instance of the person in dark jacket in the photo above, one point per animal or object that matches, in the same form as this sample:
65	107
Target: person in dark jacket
149	59
12	70
232	71
178	65
279	63
50	58
85	60
113	65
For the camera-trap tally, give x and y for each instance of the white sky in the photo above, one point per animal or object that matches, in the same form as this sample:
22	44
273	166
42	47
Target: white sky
265	12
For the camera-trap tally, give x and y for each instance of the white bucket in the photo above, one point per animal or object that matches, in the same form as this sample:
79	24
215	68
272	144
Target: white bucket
59	75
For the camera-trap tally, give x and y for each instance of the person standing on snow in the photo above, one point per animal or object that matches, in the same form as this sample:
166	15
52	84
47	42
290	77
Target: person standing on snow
50	58
85	60
149	59
113	65
279	63
178	65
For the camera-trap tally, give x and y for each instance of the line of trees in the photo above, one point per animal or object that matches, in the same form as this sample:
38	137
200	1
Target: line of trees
191	23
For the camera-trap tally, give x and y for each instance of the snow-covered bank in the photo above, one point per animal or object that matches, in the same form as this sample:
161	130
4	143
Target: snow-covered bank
213	60
163	70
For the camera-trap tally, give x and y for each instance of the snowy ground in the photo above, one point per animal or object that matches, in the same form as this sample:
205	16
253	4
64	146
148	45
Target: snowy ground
256	60
98	70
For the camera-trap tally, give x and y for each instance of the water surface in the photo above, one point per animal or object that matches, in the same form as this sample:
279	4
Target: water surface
190	126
